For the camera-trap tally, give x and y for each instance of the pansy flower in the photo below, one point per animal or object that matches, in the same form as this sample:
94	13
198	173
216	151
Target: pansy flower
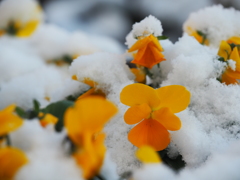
198	35
230	75
84	122
149	51
8	120
153	112
11	160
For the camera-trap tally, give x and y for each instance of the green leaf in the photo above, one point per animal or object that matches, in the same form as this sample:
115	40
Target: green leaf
36	106
148	73
20	112
11	29
162	37
68	59
58	109
221	59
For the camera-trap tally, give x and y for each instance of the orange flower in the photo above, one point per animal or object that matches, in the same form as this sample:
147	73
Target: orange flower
230	75
200	37
11	160
149	52
46	119
153	110
84	122
8	120
148	155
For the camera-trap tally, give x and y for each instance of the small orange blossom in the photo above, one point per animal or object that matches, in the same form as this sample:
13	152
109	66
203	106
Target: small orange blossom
149	51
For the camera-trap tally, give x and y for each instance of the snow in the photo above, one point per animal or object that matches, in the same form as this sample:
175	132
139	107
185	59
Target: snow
216	22
149	25
209	138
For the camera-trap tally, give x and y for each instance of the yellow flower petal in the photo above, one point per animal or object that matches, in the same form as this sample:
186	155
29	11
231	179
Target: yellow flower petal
228	80
232	74
149	132
235	55
175	97
137	113
89	113
169	120
135	94
74	77
147	154
224	50
90	155
28	29
48	119
156	42
90	82
8	120
140	76
234	40
11	160
140	44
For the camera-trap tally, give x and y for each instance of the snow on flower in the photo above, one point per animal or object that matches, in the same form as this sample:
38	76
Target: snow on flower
65	72
19	18
230	75
213	23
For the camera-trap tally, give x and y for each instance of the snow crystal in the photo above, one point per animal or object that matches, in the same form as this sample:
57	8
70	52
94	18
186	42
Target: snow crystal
232	64
193	63
16	58
49	41
153	172
223	165
109	71
45	152
78	44
211	122
149	25
33	85
216	22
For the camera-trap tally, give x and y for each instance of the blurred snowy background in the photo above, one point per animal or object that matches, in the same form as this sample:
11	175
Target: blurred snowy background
114	18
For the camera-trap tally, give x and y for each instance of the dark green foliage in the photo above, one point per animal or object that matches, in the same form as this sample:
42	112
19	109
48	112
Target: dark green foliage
58	109
175	164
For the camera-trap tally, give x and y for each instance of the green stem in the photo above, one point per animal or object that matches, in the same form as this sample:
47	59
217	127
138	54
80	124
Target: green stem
8	140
